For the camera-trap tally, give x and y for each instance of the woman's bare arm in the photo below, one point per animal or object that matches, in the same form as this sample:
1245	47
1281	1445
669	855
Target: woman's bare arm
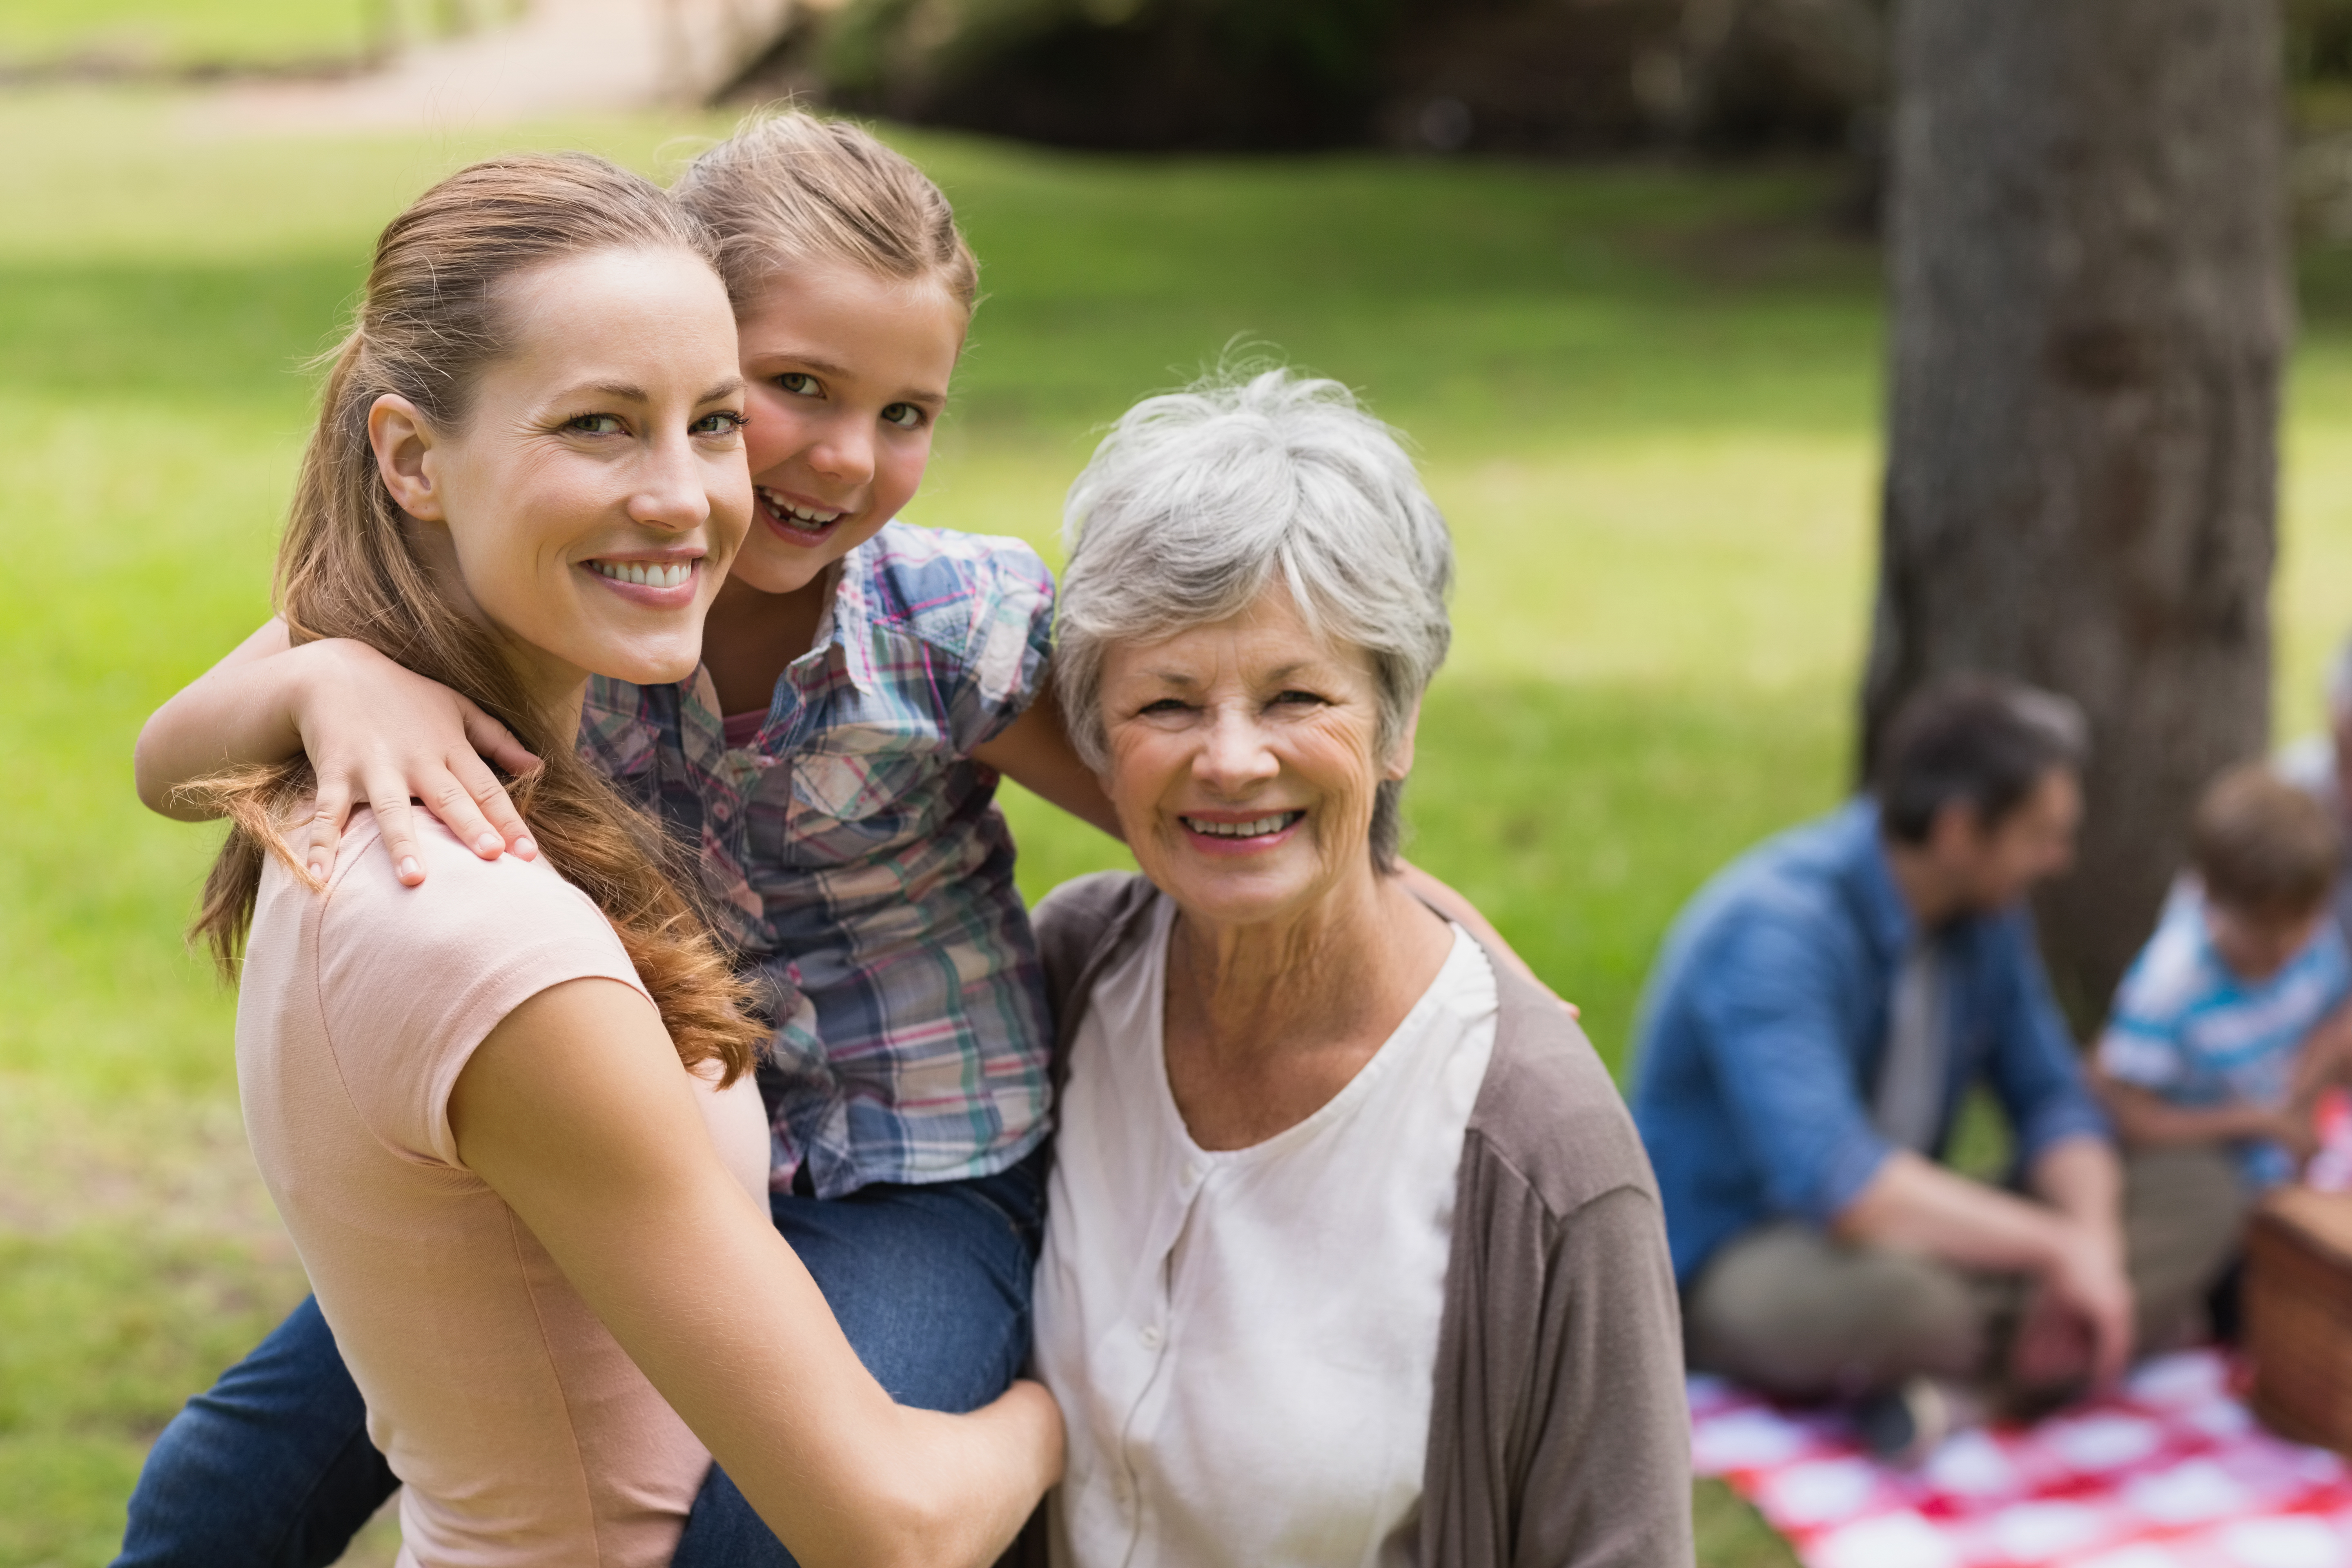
1036	752
374	733
574	1111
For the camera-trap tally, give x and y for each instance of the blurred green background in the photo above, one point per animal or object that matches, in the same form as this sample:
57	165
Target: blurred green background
1646	395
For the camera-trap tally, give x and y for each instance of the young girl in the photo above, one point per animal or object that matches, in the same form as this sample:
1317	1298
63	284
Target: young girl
506	1118
833	762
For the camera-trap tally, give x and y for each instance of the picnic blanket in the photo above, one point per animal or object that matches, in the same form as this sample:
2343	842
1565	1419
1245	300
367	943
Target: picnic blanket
2170	1472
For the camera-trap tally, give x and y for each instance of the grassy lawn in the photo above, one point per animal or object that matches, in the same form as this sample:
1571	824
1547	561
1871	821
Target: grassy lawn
1647	399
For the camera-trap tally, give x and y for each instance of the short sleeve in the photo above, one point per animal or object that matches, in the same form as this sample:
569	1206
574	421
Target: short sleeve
411	980
1010	639
2141	1043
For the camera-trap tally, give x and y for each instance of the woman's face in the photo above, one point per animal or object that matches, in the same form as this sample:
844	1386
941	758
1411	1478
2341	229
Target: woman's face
848	374
591	502
1243	762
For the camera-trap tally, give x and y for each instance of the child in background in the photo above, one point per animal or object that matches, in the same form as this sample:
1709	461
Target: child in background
2226	1028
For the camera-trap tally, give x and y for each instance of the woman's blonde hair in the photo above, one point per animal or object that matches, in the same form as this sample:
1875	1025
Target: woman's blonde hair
429	324
789	187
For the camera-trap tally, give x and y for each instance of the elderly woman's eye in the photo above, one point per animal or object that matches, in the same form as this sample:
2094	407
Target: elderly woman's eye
1295	696
596	425
1165	705
799	384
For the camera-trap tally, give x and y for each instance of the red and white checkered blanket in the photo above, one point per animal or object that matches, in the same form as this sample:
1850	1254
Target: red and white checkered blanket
2171	1472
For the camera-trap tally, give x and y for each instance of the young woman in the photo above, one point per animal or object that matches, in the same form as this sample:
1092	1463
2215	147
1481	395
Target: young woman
505	1112
831	765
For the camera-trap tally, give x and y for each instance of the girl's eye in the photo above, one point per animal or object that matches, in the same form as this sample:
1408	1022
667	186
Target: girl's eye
725	422
596	425
905	415
799	384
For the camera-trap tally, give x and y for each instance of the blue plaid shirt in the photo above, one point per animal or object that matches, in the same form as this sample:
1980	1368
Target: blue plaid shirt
854	854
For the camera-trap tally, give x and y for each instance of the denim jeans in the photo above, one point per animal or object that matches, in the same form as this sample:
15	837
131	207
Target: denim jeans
272	1467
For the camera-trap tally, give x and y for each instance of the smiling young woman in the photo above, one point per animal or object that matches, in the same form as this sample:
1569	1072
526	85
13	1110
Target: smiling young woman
505	1108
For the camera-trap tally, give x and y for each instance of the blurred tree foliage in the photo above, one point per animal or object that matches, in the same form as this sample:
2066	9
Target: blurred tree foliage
1524	76
1513	75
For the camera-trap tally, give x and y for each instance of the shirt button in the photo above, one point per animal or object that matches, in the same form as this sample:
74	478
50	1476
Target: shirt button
1149	1336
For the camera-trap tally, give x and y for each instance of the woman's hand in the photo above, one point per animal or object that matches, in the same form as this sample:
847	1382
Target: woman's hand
373	731
378	734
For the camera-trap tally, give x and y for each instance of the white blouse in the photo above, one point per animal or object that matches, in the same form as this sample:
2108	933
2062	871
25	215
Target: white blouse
1244	1342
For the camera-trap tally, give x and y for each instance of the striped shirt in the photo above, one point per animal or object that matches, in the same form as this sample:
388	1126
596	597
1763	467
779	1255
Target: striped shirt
2186	1028
854	853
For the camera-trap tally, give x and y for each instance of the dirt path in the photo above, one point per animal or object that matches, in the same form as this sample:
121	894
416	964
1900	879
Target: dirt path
562	56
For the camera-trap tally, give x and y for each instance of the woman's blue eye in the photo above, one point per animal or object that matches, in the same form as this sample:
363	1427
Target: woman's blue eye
596	425
799	384
725	422
905	415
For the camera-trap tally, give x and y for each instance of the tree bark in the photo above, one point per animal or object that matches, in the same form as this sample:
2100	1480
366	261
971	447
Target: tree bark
2091	307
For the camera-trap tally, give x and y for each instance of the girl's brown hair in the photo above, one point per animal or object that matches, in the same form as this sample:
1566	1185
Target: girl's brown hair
429	324
790	187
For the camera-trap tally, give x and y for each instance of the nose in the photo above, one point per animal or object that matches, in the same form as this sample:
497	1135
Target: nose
1234	754
843	449
671	493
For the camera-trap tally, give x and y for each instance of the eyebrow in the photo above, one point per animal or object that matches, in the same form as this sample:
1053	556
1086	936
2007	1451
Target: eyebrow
628	392
1280	673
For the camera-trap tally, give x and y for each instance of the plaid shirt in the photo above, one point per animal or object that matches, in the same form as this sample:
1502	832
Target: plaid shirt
856	855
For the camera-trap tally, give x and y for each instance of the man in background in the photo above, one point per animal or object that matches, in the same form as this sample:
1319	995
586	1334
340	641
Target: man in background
1819	1015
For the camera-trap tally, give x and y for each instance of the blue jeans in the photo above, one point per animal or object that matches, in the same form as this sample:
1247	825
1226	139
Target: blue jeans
273	1468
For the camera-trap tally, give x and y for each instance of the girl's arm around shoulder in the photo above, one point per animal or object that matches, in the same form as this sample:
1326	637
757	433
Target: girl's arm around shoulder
1035	752
375	733
574	1110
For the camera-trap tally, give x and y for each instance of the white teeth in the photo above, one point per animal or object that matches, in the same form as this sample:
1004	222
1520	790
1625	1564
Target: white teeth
801	514
649	574
1258	829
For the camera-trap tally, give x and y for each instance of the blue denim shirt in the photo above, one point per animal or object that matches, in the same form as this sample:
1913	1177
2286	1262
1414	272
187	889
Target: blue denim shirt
1764	1019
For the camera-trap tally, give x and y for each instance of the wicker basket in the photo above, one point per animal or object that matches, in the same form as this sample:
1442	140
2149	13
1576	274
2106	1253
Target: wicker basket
2298	1315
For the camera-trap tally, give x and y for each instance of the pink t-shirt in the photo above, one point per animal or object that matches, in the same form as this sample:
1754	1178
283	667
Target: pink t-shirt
521	1431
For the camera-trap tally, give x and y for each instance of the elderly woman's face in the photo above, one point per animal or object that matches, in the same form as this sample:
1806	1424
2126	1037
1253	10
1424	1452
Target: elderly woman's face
1242	762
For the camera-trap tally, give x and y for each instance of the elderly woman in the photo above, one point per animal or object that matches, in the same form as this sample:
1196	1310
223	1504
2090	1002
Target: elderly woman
1353	1255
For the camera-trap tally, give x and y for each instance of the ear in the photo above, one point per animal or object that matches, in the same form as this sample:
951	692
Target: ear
1400	753
1956	830
406	455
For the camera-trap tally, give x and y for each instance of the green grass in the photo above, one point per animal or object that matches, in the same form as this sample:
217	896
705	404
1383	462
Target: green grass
1647	397
183	34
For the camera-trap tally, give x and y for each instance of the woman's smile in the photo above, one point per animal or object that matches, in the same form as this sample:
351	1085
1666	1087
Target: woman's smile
1240	832
663	582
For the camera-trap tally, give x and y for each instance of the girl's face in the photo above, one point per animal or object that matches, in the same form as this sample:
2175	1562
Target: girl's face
588	506
849	373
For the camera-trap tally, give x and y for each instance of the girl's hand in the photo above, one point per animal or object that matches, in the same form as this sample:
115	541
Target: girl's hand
380	734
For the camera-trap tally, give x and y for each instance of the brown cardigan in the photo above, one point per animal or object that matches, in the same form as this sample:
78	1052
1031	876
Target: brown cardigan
1558	1436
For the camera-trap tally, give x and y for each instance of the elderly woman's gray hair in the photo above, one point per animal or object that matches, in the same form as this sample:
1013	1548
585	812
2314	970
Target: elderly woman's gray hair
1199	501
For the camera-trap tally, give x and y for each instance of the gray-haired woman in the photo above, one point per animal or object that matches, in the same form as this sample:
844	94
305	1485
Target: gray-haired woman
1353	1255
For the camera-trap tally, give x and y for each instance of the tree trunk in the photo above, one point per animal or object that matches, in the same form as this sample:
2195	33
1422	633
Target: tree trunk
2091	307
